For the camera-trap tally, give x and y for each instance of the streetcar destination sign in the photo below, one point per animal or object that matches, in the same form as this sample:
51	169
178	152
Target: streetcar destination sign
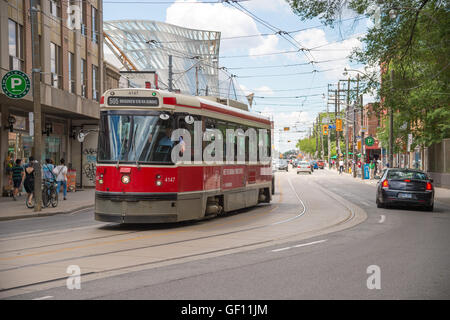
16	84
133	101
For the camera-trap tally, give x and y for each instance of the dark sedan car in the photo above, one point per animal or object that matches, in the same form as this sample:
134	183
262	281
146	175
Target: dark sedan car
405	187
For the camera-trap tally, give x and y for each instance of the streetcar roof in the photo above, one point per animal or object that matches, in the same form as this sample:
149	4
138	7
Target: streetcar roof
171	100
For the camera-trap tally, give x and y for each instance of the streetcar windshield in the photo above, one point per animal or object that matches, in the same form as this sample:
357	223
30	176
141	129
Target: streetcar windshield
139	137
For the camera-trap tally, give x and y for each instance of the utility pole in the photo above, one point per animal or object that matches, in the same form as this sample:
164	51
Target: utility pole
391	125
336	92
338	133
36	68
354	126
347	125
317	136
322	154
363	156
328	136
170	74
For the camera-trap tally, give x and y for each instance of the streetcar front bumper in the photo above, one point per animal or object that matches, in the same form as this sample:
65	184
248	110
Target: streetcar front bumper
135	207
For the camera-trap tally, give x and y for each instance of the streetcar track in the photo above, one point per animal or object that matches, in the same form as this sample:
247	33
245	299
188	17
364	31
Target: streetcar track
192	224
348	218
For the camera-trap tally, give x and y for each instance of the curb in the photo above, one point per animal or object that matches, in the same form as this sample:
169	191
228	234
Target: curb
44	214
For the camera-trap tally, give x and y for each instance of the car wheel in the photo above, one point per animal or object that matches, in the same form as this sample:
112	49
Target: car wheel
379	204
429	208
310	173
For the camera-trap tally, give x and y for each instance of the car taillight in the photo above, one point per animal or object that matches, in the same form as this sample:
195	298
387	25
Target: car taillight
429	186
407	180
385	184
309	167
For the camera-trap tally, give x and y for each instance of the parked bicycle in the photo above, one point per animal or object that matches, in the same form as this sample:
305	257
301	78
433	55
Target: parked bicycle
49	195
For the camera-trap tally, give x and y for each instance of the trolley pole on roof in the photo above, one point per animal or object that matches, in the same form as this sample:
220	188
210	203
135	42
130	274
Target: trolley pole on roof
170	74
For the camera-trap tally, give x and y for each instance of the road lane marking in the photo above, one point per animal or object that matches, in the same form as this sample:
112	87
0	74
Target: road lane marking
309	243
43	298
281	249
383	218
299	245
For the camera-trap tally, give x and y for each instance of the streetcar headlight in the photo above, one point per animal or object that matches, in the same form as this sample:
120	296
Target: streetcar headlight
125	179
101	179
158	183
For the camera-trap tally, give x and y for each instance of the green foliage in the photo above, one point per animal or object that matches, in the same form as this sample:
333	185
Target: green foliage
411	41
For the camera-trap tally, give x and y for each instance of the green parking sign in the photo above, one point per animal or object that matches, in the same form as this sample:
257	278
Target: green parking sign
16	84
369	141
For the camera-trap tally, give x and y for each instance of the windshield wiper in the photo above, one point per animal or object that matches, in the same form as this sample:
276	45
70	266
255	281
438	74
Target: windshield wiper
120	150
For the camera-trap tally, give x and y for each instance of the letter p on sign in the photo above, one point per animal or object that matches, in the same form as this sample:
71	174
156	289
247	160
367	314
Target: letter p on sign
15	82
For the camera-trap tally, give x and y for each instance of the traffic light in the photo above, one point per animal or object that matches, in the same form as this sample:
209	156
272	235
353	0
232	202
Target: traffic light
338	124
325	129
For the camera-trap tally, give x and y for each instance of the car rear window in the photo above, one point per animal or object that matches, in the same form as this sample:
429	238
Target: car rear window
404	174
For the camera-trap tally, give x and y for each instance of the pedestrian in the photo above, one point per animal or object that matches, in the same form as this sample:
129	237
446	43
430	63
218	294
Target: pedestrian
372	169
48	170
28	183
61	177
18	174
341	166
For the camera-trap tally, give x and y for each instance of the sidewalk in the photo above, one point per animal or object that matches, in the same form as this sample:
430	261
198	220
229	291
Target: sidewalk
11	209
440	194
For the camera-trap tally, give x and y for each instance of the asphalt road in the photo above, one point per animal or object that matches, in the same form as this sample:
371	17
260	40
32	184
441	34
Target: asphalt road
398	253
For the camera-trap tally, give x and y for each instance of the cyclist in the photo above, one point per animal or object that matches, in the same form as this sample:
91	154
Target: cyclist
341	166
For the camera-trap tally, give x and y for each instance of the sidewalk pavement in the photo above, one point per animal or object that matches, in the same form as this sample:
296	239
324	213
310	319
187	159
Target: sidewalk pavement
82	199
440	194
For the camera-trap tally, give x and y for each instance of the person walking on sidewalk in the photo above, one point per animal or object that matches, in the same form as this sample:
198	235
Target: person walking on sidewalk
341	166
61	177
18	174
372	169
28	183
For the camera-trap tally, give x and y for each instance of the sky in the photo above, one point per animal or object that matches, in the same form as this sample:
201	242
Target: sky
289	87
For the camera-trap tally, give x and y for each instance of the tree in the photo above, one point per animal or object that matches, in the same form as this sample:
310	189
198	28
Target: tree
410	38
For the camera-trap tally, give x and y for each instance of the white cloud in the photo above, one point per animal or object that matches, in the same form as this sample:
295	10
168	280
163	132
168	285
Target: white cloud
216	17
338	51
268	5
268	45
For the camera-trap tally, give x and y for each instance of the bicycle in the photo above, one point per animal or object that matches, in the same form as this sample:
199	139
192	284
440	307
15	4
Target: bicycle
49	195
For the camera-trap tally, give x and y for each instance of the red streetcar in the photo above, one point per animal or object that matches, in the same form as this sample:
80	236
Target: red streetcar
137	180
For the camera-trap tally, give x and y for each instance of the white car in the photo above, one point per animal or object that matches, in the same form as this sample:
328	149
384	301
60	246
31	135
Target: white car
303	166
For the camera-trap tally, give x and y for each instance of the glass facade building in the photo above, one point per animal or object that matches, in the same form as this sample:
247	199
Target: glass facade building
195	55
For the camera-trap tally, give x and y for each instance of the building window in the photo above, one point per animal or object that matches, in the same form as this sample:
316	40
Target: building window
83	18
94	25
55	65
83	77
71	69
15	45
95	82
55	8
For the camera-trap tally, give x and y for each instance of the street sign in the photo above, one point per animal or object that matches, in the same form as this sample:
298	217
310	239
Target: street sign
15	84
369	141
363	129
286	128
